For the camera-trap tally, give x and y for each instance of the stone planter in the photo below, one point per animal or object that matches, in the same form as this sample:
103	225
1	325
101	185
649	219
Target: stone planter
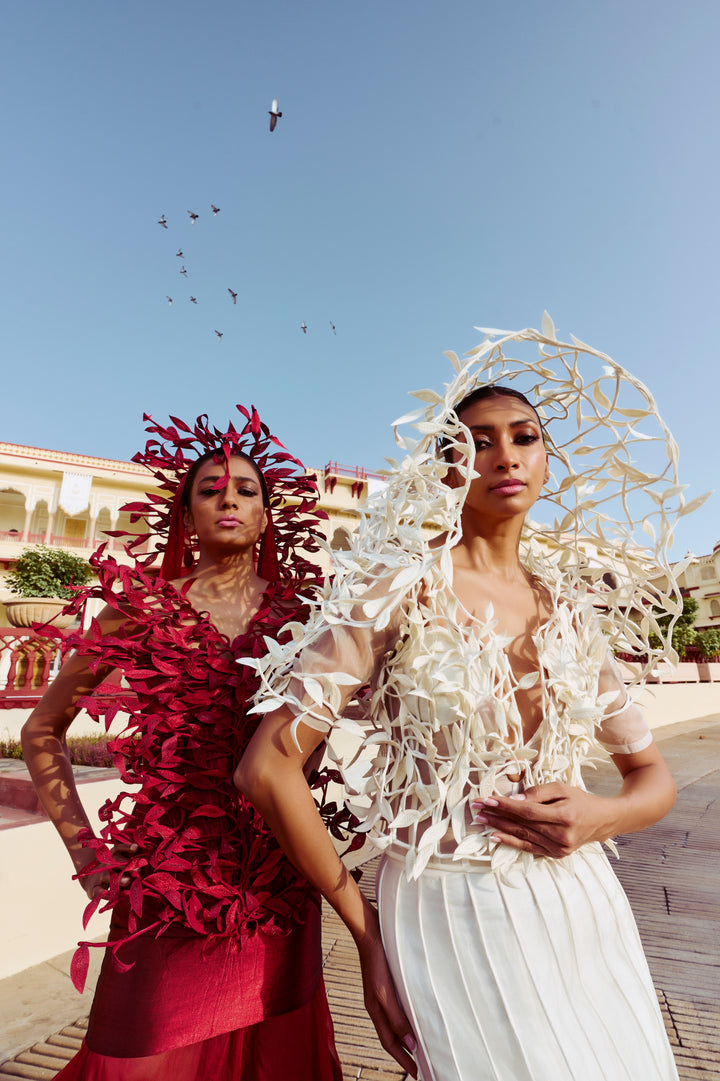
28	610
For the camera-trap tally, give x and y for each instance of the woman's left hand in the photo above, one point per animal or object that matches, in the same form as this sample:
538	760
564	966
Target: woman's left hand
549	820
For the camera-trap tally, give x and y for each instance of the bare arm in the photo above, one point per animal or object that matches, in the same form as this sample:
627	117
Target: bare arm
555	819
270	774
46	754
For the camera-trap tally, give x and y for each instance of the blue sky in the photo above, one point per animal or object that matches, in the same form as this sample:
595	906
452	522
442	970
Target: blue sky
438	166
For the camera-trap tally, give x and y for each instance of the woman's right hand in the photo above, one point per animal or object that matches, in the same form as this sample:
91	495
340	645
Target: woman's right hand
98	883
381	1002
270	775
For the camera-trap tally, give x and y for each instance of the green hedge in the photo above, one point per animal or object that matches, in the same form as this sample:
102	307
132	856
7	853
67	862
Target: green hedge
84	750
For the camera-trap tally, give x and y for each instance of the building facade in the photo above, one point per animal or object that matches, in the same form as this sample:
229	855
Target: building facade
70	501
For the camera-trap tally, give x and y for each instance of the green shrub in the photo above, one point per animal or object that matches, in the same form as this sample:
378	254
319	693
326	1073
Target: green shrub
708	644
48	572
90	750
684	634
83	750
10	748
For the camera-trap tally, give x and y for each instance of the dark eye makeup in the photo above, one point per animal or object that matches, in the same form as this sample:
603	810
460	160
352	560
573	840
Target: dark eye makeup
522	439
241	489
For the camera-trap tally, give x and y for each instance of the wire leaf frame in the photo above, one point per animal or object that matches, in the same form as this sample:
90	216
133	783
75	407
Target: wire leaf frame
613	495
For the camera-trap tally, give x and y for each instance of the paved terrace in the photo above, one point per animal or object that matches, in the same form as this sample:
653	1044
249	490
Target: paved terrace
671	873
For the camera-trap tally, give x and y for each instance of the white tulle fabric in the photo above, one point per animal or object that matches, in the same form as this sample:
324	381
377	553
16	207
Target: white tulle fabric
445	721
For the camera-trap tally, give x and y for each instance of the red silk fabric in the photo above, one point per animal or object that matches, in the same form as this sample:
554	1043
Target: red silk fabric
294	1046
184	988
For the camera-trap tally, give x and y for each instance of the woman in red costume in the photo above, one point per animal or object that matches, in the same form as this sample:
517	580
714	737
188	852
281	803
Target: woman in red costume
213	964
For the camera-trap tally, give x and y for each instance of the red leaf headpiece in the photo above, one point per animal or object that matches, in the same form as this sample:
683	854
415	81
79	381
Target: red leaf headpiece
292	527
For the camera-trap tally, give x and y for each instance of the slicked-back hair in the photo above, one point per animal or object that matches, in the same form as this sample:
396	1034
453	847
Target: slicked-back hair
492	390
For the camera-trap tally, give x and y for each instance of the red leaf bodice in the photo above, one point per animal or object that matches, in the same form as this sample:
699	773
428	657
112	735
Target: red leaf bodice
206	861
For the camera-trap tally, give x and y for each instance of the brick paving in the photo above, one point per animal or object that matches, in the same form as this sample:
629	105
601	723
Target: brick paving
672	876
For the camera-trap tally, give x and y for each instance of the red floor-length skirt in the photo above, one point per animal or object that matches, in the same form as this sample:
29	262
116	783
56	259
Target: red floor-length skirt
200	1009
295	1046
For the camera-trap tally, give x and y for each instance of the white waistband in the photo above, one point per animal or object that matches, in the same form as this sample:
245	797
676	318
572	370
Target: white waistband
442	862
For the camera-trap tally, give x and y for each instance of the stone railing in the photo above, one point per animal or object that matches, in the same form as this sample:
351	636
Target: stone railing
28	664
684	672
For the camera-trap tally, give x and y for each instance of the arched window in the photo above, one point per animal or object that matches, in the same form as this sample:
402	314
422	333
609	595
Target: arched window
12	511
715	607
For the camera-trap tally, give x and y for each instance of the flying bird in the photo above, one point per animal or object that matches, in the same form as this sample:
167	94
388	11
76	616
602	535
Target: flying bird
333	327
215	209
179	253
193	300
274	115
169	300
183	271
303	327
193	217
219	335
163	221
233	295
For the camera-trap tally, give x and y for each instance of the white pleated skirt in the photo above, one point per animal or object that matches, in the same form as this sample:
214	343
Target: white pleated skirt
540	976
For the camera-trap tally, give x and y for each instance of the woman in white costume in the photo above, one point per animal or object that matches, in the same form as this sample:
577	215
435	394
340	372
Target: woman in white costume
488	646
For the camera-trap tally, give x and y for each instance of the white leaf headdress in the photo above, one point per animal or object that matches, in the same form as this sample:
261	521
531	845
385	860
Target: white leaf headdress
613	496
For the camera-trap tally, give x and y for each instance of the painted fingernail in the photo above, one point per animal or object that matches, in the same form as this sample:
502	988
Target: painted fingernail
517	795
480	818
410	1043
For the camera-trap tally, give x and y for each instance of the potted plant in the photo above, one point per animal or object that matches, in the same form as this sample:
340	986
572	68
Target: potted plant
43	578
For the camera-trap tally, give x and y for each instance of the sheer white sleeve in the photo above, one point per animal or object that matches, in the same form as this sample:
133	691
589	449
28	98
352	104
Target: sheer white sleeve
331	658
623	729
331	670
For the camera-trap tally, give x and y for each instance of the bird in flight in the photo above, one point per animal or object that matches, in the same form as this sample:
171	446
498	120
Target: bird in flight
193	300
179	253
274	115
215	209
163	221
233	295
333	327
219	335
193	217
303	327
169	300
183	271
